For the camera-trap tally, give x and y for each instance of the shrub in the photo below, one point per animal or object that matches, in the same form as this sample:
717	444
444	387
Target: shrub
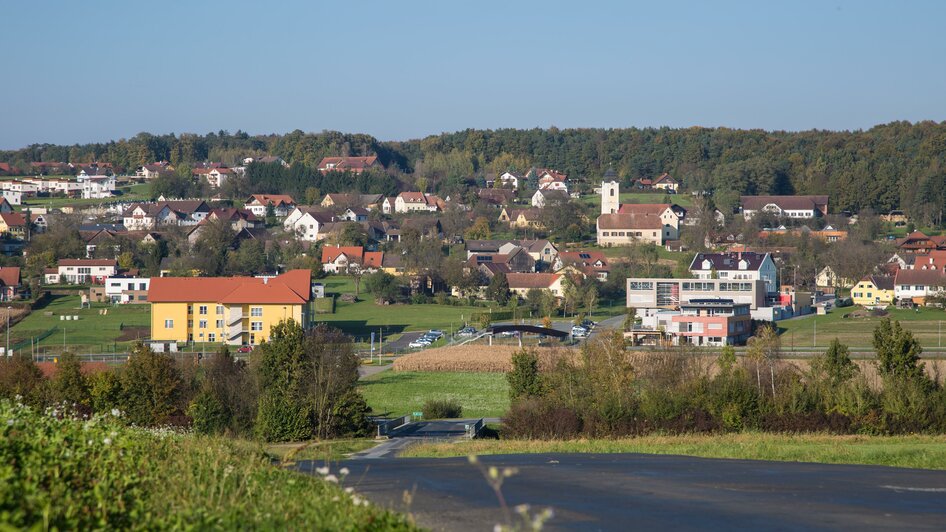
442	409
524	379
534	418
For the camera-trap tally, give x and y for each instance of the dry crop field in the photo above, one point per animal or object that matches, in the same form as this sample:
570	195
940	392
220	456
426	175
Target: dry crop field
473	359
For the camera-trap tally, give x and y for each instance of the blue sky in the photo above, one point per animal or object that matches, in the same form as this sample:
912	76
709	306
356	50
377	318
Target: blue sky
99	70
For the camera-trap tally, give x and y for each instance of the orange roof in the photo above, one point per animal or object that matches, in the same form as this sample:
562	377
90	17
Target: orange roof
373	259
87	262
531	280
9	276
275	199
291	287
330	253
13	219
643	208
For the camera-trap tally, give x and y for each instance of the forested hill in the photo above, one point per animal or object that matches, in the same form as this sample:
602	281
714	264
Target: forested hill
889	166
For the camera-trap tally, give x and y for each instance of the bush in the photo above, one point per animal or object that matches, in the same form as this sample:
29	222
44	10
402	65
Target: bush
442	409
524	379
533	418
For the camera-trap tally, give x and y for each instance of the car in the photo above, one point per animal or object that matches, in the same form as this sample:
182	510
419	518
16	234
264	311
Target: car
418	343
466	331
245	349
579	332
588	324
435	334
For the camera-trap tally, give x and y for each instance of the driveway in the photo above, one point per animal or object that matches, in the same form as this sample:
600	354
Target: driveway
401	344
652	492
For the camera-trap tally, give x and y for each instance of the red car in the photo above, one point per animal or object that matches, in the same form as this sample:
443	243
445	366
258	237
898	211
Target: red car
245	349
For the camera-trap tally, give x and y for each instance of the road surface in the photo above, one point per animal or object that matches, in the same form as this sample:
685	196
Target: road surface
652	492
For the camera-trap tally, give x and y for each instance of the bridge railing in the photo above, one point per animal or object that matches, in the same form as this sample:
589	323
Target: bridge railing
473	429
387	427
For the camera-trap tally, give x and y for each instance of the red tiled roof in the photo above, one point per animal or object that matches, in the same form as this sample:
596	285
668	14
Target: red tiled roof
531	280
630	221
291	287
920	277
275	199
373	259
413	197
13	219
347	163
86	368
643	208
87	262
10	276
354	253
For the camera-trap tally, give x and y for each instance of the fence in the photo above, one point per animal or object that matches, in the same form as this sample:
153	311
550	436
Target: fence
473	430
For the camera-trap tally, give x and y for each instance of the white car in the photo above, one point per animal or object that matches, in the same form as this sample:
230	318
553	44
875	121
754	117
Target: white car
420	342
579	331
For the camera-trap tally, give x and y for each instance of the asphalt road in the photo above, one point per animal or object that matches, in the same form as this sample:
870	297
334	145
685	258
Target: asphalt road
401	344
628	491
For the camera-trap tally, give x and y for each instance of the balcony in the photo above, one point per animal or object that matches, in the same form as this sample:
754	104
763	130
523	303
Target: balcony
235	317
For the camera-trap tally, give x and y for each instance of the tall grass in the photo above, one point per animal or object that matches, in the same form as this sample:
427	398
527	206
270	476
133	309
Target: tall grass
68	474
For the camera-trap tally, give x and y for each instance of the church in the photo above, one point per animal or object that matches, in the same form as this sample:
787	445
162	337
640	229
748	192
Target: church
624	224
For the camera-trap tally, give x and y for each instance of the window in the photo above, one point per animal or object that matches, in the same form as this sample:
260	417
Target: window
190	324
641	285
256	312
190	309
142	286
168	324
202	310
211	337
252	339
202	324
256	326
220	324
219	310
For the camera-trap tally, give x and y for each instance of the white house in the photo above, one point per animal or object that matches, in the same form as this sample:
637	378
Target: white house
127	289
745	265
307	223
543	197
509	180
80	271
917	285
13	197
417	201
96	186
143	216
802	207
282	204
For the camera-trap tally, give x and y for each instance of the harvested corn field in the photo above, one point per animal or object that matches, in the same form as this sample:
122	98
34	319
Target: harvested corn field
473	358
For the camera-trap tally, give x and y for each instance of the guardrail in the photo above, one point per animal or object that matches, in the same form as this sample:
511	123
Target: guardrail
473	430
387	427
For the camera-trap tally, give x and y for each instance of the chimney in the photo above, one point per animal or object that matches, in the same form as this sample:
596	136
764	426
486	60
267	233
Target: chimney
265	280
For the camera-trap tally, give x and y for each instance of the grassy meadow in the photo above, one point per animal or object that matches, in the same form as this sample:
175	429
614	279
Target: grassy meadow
858	331
404	392
916	451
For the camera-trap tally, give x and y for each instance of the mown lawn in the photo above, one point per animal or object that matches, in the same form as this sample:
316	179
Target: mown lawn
92	330
858	331
926	452
405	392
364	317
136	192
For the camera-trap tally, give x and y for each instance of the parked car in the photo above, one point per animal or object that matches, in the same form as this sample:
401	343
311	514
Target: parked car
435	334
245	349
588	324
418	343
579	332
466	332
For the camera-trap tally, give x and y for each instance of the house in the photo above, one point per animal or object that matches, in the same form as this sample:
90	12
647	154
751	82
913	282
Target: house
874	291
346	259
710	322
282	204
11	197
387	205
308	223
826	278
549	179
267	159
238	218
895	217
508	180
591	263
81	271
354	165
417	201
144	216
496	197
231	310
14	225
740	266
918	242
215	174
785	206
96	186
5	206
548	196
829	234
516	260
933	260
355	214
666	182
542	251
522	218
521	283
126	290
153	171
343	201
9	283
916	285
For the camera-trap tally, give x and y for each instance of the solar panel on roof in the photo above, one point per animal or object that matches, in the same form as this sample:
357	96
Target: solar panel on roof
584	255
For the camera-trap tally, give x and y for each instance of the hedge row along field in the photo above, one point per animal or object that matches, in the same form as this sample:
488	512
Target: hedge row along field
68	474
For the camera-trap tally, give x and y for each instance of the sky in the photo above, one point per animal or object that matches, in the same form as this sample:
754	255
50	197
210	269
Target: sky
77	72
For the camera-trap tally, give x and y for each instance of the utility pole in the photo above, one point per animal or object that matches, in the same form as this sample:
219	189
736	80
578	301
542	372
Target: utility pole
814	340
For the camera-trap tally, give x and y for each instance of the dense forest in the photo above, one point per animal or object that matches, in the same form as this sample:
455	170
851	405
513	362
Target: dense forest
896	165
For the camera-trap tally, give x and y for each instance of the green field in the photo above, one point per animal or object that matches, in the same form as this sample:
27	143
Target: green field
405	392
136	192
362	318
927	452
92	332
858	331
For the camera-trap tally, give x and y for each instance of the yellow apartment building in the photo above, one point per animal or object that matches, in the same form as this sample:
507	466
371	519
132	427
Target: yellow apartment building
230	310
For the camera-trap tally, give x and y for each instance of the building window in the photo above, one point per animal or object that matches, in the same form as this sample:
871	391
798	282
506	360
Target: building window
202	324
211	337
190	324
202	310
256	326
168	324
219	310
252	339
220	324
190	309
256	312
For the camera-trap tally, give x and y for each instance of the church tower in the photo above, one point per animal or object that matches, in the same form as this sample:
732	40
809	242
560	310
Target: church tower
610	193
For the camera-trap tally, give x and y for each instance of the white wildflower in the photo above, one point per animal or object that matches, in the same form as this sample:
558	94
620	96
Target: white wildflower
107	441
331	478
343	471
116	412
349	490
322	470
10	421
